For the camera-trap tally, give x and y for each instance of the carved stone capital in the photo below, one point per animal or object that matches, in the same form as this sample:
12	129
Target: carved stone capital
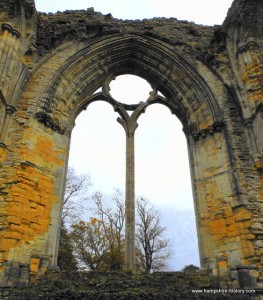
250	44
241	48
203	133
16	33
196	135
11	30
10	109
7	27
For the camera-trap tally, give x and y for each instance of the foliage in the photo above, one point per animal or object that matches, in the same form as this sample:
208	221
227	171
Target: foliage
91	246
66	259
152	249
99	243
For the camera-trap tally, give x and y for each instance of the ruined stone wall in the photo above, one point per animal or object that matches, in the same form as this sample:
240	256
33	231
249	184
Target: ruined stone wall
211	77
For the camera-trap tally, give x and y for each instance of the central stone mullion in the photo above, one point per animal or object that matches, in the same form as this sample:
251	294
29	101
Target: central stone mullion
129	123
130	204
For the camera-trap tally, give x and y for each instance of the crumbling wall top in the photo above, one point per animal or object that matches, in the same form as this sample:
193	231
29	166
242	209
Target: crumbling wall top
54	29
248	15
14	8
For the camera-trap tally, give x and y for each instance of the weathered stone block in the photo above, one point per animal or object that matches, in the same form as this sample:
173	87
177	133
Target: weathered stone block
12	219
34	265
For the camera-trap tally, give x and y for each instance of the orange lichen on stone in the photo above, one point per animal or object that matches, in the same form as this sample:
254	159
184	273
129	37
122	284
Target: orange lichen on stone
222	264
3	154
40	150
231	228
249	252
8	243
12	235
228	213
259	163
34	265
230	220
29	213
218	227
243	215
252	79
45	149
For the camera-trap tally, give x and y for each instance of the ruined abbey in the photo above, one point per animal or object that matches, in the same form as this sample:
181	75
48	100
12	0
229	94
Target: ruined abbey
211	78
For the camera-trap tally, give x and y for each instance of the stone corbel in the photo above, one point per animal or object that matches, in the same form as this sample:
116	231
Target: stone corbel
47	120
216	127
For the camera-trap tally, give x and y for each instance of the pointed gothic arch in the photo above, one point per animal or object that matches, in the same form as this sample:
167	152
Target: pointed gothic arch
68	89
90	66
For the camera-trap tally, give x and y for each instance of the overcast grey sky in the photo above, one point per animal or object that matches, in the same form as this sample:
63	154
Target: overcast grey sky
98	141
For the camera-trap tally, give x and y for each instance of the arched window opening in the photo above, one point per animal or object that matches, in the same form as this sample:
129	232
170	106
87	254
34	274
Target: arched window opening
98	147
163	175
162	167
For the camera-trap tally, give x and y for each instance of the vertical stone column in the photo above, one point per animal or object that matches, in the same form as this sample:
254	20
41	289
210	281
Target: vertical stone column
9	57
10	110
130	204
249	54
129	123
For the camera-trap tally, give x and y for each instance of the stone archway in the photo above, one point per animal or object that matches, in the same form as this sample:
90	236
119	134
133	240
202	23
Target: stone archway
57	82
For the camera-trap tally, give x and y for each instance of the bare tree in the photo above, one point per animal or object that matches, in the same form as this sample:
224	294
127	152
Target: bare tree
153	249
113	219
75	195
99	243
